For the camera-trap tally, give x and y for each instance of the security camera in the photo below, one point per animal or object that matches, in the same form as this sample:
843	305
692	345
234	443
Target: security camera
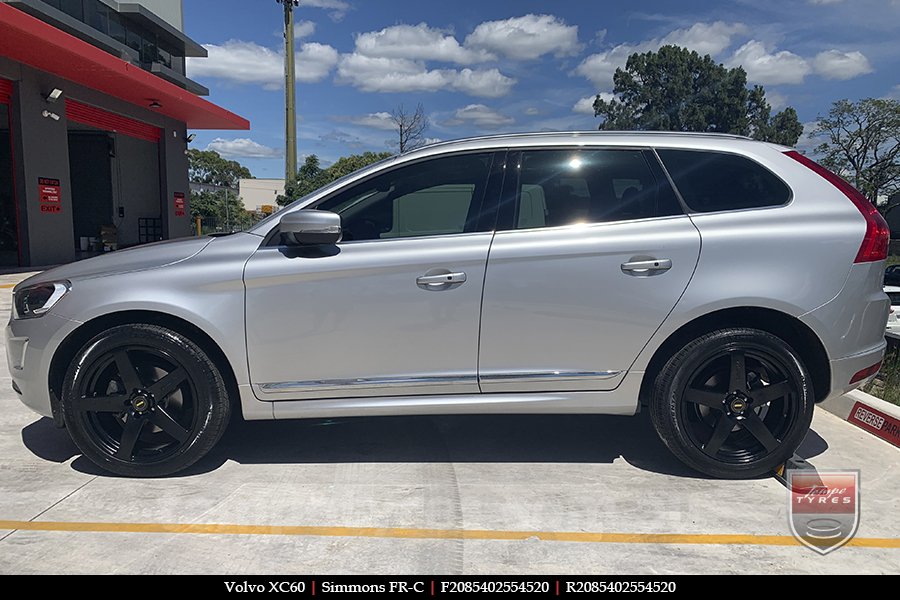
51	115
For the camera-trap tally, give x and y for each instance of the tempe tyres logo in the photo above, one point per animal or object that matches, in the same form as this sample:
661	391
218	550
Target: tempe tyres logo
824	507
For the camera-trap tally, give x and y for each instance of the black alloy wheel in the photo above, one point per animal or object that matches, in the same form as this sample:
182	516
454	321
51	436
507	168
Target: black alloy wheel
142	400
733	403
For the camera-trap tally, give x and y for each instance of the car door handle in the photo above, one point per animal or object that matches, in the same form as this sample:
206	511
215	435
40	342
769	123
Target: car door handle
441	279
639	267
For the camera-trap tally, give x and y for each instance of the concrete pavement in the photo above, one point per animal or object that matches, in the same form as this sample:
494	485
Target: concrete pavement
424	495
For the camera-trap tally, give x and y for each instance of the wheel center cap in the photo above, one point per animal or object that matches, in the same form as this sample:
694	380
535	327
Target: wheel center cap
140	403
736	403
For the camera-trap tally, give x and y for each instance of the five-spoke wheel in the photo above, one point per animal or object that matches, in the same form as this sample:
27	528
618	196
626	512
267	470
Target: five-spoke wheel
733	403
144	400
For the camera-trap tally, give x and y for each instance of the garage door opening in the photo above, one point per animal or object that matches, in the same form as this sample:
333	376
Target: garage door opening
114	167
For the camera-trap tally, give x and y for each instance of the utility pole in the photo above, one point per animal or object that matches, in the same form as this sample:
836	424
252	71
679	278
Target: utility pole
290	92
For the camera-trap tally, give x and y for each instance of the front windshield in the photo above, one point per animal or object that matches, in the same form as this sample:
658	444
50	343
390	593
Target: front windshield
323	190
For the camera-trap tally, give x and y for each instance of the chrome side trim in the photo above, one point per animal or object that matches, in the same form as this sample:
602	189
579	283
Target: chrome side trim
318	385
526	376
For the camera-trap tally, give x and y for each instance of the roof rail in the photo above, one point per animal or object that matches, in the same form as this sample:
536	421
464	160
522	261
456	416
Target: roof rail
591	133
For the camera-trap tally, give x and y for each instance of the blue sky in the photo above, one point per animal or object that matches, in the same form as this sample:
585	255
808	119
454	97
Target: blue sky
483	67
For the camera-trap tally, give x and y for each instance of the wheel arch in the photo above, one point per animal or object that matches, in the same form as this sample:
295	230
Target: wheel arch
793	331
70	346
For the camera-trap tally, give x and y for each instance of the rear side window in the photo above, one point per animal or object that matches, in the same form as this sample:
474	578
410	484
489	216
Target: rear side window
563	187
715	181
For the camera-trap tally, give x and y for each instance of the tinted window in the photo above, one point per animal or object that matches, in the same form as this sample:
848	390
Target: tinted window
435	197
562	187
713	181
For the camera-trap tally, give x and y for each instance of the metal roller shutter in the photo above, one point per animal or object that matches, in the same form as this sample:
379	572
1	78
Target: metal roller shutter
102	119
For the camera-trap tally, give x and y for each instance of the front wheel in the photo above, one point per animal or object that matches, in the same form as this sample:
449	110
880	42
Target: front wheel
144	401
733	403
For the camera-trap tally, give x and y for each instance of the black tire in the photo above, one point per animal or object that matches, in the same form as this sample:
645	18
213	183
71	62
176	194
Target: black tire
144	401
734	403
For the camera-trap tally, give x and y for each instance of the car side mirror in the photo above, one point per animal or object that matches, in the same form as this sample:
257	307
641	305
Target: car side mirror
311	228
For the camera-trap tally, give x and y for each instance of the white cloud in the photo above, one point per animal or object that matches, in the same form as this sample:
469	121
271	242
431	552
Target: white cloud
239	62
338	8
417	42
314	62
769	68
585	106
527	37
481	116
705	38
249	63
489	83
532	111
303	29
825	1
834	64
243	148
371	74
776	99
379	120
429	141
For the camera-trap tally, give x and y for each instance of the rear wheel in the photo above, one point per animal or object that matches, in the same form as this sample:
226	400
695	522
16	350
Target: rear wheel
144	401
733	403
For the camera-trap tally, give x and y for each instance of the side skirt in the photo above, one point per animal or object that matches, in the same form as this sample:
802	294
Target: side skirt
621	401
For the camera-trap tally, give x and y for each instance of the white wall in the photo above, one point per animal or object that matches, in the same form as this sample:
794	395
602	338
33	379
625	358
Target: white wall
258	192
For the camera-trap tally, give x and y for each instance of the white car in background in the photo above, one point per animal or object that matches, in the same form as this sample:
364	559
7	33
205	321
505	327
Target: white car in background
893	323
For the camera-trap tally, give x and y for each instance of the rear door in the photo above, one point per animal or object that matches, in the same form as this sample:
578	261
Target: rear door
592	254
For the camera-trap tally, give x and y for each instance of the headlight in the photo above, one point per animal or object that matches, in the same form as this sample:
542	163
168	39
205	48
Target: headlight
36	300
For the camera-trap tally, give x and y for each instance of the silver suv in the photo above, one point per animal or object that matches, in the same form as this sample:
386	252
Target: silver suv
721	284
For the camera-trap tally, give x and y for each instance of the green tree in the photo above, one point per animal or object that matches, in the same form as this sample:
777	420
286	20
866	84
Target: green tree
211	207
311	176
208	166
861	142
675	89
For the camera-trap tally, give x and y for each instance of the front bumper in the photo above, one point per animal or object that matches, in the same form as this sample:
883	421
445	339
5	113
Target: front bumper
30	346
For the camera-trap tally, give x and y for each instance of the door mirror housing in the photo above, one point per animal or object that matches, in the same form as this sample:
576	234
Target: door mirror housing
309	227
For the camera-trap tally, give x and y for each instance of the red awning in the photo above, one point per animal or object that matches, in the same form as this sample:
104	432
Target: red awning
28	40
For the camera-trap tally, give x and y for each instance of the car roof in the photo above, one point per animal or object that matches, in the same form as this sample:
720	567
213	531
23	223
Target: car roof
676	139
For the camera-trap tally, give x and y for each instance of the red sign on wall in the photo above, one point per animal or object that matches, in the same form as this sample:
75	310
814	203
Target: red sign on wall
179	204
49	192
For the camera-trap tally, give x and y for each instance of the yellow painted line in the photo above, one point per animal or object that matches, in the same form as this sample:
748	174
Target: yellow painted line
431	534
7	286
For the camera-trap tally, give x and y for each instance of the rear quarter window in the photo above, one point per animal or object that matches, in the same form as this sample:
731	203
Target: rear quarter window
716	181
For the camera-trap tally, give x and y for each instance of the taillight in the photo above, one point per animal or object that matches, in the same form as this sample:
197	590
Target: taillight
878	235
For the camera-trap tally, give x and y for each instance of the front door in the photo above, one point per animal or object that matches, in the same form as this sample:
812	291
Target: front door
595	253
391	310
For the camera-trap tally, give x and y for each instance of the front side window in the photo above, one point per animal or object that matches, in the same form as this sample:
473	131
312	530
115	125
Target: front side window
440	196
565	187
713	181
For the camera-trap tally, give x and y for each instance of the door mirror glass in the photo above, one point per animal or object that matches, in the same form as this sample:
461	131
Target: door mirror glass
310	228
